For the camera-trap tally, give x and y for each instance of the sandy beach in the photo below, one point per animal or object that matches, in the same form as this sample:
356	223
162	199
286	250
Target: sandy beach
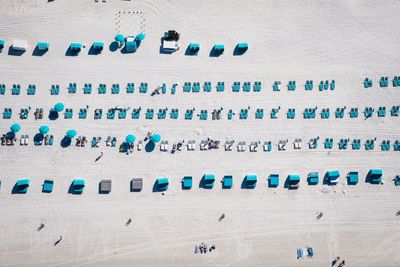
345	41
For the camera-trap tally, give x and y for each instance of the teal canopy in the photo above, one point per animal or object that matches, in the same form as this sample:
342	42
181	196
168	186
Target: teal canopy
333	174
119	38
2	44
75	46
227	181
251	180
274	180
219	47
156	138
130	138
43	45
71	133
44	129
243	46
59	107
98	45
294	178
140	37
15	128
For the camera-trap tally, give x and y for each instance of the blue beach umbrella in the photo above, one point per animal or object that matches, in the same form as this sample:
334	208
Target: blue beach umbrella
59	107
155	138
71	133
140	37
44	129
15	128
119	38
130	138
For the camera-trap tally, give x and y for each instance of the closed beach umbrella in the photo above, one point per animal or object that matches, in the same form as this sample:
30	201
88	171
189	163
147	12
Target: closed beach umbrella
15	128
119	38
140	37
71	133
130	138
156	138
44	129
59	107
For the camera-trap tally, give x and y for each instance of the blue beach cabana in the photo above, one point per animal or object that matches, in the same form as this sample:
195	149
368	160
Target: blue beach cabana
250	181
98	46
77	186
47	186
219	49
194	48
227	181
352	178
2	43
273	180
43	46
241	48
187	182
162	184
75	47
332	177
21	186
208	180
293	181
313	178
375	176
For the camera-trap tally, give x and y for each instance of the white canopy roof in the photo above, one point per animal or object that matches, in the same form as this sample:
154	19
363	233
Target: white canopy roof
19	44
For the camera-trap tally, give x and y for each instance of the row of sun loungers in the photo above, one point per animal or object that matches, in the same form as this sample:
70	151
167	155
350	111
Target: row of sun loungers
216	114
383	82
194	87
229	145
292	182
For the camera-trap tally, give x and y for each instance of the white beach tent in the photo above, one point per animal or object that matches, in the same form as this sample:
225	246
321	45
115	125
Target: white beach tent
19	44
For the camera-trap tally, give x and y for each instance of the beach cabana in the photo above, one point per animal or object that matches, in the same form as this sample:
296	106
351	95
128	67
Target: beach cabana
250	180
375	176
47	186
293	181
208	180
78	185
194	48
75	47
130	139
43	46
155	138
242	47
22	186
59	107
187	182
71	133
332	177
352	178
273	180
20	45
219	48
98	46
162	184
136	184
227	181
105	186
313	178
44	129
2	43
15	128
130	45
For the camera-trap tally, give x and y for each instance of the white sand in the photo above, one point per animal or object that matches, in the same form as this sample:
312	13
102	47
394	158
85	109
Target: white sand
289	40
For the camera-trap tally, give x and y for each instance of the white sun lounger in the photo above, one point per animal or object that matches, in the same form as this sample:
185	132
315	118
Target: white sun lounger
139	146
191	145
228	145
26	139
164	146
253	146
